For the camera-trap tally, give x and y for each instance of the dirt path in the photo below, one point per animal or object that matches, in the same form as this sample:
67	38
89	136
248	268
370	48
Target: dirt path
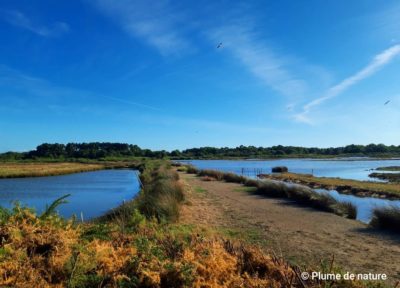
300	234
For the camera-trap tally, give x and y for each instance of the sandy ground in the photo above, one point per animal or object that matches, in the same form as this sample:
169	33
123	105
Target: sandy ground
299	234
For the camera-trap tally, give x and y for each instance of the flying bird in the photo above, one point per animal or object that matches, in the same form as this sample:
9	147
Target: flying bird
387	102
219	45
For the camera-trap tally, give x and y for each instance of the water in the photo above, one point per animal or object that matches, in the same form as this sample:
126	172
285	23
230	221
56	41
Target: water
346	169
92	193
365	205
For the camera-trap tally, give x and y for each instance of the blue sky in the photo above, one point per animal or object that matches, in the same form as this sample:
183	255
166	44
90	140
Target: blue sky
306	73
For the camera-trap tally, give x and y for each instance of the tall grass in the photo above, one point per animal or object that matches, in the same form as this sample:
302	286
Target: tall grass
159	198
300	194
387	218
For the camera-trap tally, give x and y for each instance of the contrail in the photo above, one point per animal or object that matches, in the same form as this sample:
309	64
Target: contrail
132	103
377	63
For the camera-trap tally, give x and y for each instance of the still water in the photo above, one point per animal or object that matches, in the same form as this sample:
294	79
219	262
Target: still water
346	169
365	205
92	193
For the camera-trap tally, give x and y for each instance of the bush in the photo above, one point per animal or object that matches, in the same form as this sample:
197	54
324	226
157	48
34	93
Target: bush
346	209
218	175
234	178
161	195
272	189
279	169
190	169
387	218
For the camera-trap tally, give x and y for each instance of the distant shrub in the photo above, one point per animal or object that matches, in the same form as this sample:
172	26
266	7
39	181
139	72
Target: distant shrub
234	178
252	182
218	175
190	169
279	169
272	189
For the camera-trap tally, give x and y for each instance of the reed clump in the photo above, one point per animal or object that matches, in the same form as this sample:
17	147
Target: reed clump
387	218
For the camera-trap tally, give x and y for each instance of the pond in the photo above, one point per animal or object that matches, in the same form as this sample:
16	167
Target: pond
357	169
92	193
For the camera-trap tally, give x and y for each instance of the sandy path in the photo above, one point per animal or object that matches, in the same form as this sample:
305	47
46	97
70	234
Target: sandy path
300	234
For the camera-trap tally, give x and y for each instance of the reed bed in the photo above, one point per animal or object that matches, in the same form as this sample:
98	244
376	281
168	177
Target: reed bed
22	170
298	193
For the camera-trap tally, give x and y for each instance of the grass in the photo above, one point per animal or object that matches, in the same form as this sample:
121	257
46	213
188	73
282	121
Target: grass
391	177
300	194
199	190
388	168
159	198
19	170
360	188
387	218
135	248
217	175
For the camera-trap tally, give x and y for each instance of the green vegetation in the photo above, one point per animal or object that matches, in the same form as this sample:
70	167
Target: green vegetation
39	169
18	170
345	186
138	244
387	218
371	150
135	245
160	197
388	168
300	194
391	177
118	151
200	190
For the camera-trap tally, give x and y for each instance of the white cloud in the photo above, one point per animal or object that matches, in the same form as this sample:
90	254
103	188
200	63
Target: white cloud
154	22
374	66
20	20
260	59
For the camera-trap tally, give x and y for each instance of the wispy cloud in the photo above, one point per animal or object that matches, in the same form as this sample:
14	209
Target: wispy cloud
31	91
156	23
259	58
124	101
374	66
20	20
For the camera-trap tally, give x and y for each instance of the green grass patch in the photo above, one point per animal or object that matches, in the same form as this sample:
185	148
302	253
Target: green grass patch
245	189
200	190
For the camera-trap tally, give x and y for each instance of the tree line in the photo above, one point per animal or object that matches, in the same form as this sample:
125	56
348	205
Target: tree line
97	150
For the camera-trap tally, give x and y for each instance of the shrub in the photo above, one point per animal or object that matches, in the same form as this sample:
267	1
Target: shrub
387	218
323	202
190	169
252	182
271	189
279	169
234	178
346	209
218	175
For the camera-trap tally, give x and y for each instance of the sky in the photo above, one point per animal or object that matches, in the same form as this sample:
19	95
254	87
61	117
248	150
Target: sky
182	74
